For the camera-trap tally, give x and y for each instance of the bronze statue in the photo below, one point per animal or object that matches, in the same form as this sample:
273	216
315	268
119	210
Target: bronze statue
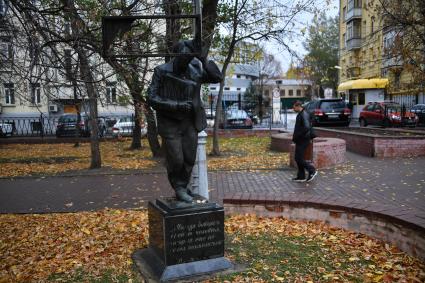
175	95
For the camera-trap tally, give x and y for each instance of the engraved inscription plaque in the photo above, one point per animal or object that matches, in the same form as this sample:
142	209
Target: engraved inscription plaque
184	240
194	237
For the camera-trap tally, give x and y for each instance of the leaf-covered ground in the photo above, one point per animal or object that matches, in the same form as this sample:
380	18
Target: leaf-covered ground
96	247
46	159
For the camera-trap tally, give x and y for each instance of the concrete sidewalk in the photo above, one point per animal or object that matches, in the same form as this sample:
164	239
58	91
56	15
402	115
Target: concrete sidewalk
362	181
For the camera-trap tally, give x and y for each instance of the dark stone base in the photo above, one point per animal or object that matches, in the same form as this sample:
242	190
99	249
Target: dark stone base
153	269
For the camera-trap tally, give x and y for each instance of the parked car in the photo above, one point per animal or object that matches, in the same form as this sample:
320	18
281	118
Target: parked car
419	110
125	125
386	114
236	119
67	126
6	129
328	112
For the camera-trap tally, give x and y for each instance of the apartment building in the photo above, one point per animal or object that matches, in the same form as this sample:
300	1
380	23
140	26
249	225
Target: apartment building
368	70
36	85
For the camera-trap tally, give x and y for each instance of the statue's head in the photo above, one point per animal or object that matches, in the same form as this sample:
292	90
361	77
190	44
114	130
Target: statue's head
183	47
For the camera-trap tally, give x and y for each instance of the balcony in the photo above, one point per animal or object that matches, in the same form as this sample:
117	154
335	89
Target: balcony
391	61
355	13
353	43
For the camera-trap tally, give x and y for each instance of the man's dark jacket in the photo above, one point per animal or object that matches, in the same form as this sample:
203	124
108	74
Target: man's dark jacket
165	97
303	131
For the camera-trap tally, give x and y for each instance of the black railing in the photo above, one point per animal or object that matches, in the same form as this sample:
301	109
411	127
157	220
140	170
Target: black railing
31	126
43	126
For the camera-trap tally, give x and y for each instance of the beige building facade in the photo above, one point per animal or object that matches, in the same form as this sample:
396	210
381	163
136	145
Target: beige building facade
289	90
368	73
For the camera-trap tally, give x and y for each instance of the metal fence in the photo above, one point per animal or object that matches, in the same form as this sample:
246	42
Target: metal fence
43	125
31	126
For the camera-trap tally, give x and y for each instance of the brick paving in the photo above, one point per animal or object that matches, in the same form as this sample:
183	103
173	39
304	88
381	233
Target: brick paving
394	187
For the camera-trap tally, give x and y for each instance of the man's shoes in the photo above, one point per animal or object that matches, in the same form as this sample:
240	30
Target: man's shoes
311	176
182	195
298	180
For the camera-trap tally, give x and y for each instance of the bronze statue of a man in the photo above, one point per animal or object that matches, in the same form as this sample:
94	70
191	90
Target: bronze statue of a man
175	95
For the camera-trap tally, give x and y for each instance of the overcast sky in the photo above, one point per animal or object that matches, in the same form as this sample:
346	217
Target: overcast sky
304	20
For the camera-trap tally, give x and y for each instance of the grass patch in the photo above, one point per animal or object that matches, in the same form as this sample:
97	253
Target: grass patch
243	153
274	258
97	247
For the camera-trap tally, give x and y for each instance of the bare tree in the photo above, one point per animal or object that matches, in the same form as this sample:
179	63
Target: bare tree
403	26
256	21
39	22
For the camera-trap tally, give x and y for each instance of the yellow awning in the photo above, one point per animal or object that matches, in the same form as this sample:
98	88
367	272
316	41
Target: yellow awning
363	84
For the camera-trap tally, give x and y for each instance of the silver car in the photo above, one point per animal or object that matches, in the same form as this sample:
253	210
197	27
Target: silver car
124	127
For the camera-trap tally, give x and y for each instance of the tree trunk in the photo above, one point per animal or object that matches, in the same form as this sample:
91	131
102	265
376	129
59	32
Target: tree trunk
209	19
218	112
87	77
137	137
152	132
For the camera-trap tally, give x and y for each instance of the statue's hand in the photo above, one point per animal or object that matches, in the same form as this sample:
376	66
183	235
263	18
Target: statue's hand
185	106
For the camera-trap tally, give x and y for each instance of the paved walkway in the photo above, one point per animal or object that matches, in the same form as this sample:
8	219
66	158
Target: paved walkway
395	187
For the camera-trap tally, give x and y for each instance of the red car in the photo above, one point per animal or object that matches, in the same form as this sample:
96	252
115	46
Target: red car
386	114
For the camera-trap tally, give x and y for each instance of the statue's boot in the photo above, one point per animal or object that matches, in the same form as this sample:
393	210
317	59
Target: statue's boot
189	192
182	195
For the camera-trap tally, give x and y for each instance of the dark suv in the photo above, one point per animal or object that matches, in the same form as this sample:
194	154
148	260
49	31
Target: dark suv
328	112
67	126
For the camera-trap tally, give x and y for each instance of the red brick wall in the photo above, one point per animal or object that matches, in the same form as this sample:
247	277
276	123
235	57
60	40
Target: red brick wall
327	152
281	142
379	146
355	143
399	147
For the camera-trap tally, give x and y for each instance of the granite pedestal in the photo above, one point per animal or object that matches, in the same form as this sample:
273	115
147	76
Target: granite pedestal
185	240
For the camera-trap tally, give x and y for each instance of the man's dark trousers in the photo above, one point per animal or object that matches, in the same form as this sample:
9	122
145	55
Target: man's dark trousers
300	148
180	142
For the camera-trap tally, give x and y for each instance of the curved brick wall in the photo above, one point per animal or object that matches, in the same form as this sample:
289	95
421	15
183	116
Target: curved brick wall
327	152
281	142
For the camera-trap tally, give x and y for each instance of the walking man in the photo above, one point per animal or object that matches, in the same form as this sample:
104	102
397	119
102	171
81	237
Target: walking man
303	135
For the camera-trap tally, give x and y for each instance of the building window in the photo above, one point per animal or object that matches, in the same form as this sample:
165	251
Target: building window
35	93
238	76
238	88
6	50
397	79
372	23
354	30
384	72
9	94
291	92
298	92
282	92
213	88
111	92
354	4
227	88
